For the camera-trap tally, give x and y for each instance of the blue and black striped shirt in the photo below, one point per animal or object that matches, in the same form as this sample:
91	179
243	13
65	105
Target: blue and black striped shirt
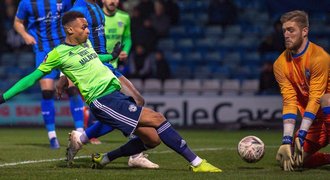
44	21
95	18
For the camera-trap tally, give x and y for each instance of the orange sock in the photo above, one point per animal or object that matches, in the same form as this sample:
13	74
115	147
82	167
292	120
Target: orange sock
317	159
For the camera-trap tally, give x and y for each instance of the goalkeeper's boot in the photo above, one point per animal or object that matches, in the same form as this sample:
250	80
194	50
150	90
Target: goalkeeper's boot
97	161
204	166
74	146
54	143
141	161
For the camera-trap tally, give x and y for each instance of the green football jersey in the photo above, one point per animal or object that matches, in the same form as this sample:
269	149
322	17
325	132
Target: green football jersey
118	28
83	67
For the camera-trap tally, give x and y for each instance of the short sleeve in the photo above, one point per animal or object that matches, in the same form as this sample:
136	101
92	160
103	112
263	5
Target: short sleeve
22	10
51	61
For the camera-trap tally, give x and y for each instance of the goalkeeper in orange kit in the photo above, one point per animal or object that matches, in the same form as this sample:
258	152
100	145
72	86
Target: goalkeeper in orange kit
302	72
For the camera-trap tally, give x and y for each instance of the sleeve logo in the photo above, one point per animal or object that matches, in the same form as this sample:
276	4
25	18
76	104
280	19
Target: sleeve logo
45	58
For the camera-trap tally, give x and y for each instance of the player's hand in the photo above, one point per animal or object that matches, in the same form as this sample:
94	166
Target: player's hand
2	99
29	40
284	157
284	154
116	50
123	56
299	148
61	85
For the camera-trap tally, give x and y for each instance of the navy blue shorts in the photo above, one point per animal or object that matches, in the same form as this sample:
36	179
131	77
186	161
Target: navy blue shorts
114	70
117	110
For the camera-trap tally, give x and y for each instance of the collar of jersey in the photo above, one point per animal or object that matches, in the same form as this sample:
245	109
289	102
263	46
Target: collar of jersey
297	55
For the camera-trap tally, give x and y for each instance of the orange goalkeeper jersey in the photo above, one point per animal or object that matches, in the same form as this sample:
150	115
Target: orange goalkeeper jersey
303	79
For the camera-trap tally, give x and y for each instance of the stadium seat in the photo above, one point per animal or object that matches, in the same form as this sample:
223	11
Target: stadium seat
174	56
211	87
251	58
183	72
138	83
213	31
221	72
152	87
232	60
8	59
166	44
191	87
230	87
185	45
193	56
172	87
205	44
202	72
228	43
233	30
250	87
177	32
194	31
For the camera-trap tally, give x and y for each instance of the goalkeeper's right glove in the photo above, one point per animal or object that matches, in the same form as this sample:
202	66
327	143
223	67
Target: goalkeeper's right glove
116	50
284	154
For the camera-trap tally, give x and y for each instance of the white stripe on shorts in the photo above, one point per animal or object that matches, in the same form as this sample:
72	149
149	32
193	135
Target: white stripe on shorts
115	115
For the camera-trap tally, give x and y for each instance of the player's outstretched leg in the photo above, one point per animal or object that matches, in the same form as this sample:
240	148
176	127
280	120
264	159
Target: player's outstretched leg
174	141
133	146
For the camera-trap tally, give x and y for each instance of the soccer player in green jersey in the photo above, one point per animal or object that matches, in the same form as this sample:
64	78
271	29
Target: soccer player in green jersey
117	28
100	88
96	19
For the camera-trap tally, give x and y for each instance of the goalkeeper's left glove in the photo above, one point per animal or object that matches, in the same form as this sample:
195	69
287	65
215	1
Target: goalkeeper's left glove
116	50
2	99
299	148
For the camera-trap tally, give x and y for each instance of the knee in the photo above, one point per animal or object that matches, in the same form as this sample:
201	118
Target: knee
48	94
159	117
72	91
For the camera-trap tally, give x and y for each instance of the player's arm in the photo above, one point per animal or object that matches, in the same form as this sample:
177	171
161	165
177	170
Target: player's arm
19	24
284	154
289	96
46	67
126	40
22	85
113	55
318	84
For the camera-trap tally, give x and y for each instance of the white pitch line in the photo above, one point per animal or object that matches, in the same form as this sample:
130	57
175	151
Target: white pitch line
82	157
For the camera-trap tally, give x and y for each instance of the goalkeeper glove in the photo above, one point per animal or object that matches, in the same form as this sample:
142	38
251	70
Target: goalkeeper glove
2	99
299	148
284	154
116	50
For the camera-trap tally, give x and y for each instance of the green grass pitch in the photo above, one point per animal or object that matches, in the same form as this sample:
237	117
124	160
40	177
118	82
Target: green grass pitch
24	154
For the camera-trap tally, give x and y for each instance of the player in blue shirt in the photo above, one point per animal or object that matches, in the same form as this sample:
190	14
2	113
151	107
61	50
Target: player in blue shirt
44	32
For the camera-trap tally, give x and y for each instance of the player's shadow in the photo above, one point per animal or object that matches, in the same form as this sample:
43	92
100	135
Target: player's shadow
34	144
249	167
85	163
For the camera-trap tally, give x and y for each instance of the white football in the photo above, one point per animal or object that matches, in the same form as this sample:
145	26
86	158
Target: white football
251	149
